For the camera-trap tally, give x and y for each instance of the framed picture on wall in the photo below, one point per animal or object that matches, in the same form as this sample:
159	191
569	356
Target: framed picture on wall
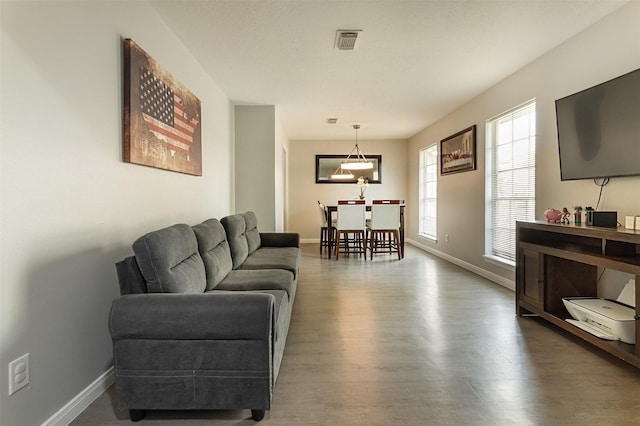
458	152
328	165
162	119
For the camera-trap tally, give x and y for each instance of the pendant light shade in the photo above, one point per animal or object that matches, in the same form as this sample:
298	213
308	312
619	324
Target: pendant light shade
341	174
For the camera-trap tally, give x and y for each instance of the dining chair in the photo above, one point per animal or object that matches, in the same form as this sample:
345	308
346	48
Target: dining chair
384	228
351	220
325	229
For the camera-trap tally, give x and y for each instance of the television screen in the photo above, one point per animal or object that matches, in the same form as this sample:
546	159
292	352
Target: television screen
599	130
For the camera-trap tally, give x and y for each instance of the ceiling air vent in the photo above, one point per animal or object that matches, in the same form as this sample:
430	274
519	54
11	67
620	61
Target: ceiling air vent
347	39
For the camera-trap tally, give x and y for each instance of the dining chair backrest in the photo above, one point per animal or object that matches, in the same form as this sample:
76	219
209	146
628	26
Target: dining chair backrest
351	214
323	213
387	202
385	214
350	202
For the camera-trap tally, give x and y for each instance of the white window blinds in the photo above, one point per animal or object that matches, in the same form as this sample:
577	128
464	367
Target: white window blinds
511	177
428	190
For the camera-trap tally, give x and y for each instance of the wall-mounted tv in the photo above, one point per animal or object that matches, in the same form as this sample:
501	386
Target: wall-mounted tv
599	130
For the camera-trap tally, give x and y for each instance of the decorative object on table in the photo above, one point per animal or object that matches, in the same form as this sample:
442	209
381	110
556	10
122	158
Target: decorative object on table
577	215
162	126
458	152
632	222
363	184
588	214
553	215
566	215
356	159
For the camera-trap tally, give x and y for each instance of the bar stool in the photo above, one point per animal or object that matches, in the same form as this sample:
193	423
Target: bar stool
351	220
384	228
325	229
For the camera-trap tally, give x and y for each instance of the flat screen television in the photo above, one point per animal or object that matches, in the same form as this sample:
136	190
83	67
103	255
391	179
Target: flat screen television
599	130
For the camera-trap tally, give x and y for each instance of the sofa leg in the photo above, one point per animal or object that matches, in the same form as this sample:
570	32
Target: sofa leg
257	415
136	415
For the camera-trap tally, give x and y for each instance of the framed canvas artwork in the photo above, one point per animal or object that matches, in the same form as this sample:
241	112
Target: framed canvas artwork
458	152
162	121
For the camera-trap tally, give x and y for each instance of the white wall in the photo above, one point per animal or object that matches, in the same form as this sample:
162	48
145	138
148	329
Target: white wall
304	192
70	207
260	165
255	169
282	175
606	50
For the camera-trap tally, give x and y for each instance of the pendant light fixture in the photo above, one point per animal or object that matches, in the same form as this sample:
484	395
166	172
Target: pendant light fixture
341	174
356	159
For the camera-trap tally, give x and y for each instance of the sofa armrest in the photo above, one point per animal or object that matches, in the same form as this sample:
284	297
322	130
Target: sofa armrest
279	239
203	316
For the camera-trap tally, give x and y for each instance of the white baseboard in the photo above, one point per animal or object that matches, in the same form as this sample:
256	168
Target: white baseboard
504	282
77	405
310	241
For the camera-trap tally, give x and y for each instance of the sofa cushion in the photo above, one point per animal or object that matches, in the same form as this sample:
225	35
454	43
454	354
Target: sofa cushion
265	279
287	258
251	232
235	227
169	260
214	250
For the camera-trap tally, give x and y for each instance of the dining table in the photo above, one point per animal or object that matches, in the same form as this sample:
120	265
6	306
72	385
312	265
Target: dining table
334	209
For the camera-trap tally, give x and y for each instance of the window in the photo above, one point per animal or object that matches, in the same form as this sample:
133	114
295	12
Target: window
511	174
428	190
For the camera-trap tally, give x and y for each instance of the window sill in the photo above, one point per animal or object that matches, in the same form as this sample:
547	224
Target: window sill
428	237
501	262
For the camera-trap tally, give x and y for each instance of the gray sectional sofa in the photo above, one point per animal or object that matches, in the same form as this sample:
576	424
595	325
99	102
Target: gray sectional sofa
203	317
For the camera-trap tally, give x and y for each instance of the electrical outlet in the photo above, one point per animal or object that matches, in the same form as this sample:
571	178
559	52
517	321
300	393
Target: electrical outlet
446	238
18	373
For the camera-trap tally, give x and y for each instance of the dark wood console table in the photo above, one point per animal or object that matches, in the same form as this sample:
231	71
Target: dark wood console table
554	261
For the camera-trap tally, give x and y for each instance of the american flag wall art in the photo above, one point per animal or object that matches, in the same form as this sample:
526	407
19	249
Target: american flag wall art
162	121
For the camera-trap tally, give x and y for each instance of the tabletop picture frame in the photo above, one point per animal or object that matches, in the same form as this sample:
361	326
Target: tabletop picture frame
458	152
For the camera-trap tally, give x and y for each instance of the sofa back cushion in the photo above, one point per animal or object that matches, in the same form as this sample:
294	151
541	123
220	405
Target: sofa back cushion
252	233
214	250
235	227
169	260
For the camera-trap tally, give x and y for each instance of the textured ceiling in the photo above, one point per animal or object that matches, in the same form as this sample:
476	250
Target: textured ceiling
416	61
